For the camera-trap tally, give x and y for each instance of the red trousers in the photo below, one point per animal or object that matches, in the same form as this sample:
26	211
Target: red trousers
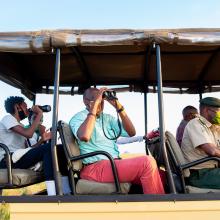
139	170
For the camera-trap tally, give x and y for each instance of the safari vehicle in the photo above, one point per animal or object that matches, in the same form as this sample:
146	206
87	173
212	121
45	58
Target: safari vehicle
68	61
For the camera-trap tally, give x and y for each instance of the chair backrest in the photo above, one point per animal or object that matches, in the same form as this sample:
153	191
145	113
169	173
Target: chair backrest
70	144
153	145
71	149
176	151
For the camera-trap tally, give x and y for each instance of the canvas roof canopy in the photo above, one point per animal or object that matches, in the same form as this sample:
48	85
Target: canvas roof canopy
190	59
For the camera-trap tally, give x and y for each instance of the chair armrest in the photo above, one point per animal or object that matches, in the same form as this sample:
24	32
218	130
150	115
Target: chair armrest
8	162
153	140
114	170
200	161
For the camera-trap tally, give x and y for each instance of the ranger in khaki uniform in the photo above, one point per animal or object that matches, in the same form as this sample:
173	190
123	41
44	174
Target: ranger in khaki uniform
201	138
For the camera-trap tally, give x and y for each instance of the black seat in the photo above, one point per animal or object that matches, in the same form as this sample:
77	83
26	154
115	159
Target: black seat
179	166
82	186
16	178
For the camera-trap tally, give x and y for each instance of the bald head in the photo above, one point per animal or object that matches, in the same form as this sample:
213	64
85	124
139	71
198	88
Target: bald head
90	94
189	112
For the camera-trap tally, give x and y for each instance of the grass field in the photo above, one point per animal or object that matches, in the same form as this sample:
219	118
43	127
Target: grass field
29	190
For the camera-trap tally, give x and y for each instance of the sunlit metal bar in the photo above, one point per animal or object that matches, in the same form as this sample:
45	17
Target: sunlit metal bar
57	174
145	120
146	73
161	118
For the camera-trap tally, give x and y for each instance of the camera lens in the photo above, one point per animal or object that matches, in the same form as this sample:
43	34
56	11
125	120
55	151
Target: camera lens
45	108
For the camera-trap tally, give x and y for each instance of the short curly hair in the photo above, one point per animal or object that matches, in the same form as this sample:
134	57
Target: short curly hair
10	103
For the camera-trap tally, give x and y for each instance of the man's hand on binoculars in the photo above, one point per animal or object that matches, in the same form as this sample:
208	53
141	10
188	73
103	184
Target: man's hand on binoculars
113	102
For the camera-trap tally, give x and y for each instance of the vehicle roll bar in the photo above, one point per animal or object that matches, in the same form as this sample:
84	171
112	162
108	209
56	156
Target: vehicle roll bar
161	117
57	175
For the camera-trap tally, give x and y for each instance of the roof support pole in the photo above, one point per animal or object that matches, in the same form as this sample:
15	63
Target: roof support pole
145	86
200	95
57	174
145	119
161	118
34	100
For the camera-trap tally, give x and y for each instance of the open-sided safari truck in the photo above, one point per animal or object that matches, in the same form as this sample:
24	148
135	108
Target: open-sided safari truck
174	61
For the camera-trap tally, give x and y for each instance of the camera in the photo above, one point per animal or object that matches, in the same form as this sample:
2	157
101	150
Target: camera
44	108
109	94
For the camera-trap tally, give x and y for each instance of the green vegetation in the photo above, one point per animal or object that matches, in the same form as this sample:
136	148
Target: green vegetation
4	211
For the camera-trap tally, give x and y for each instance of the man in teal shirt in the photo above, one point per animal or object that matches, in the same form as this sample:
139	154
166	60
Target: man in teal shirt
110	127
96	130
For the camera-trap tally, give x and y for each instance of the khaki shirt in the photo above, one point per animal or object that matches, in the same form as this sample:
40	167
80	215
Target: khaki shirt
197	132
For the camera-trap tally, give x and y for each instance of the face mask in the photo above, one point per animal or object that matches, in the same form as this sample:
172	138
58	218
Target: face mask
21	115
216	119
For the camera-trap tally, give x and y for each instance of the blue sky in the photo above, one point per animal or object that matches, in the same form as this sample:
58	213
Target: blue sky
44	14
29	15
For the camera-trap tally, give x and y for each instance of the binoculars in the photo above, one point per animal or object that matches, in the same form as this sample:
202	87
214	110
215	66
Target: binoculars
109	94
44	108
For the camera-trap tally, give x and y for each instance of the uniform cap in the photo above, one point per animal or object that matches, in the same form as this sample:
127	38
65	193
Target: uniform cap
210	101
